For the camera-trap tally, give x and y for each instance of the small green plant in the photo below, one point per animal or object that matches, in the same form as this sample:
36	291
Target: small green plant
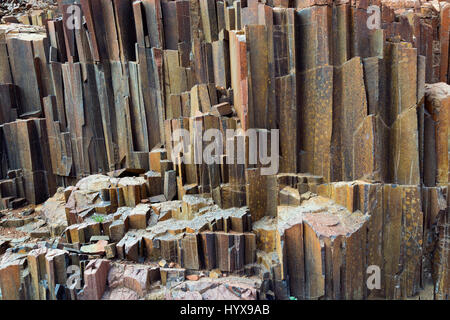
98	218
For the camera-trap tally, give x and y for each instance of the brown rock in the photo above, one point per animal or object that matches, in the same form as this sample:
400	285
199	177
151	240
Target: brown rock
10	281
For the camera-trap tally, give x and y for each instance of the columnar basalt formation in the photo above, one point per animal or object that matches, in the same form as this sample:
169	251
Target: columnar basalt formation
199	148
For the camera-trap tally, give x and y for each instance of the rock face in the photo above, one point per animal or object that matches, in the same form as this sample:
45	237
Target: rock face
320	250
437	106
318	246
10	284
95	276
27	11
215	289
225	150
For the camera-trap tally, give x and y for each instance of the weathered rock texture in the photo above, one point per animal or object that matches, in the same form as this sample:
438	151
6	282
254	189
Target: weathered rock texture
361	180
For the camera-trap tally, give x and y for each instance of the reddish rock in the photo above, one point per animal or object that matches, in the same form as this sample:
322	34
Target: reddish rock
193	277
115	275
97	248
